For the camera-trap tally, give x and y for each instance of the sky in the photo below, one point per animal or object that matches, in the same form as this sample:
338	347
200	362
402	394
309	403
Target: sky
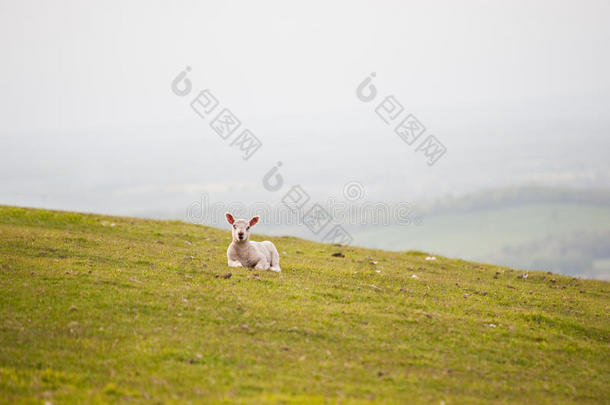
517	92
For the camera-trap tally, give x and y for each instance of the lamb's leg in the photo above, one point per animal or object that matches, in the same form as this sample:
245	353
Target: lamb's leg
231	256
275	259
262	264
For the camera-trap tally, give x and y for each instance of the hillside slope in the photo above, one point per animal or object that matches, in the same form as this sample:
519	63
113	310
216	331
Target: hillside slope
104	309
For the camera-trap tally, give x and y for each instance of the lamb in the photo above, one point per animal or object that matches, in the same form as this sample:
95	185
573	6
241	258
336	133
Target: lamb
245	253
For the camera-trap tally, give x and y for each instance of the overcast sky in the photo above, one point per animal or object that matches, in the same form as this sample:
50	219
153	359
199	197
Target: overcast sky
518	92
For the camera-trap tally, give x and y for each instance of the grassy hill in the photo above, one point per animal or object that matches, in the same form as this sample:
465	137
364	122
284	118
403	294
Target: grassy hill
106	309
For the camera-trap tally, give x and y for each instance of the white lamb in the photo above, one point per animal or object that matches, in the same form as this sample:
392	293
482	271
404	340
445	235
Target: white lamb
245	253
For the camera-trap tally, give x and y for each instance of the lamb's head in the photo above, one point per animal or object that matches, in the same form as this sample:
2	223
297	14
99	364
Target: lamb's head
241	227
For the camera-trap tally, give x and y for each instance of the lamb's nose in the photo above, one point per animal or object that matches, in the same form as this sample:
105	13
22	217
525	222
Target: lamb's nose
241	234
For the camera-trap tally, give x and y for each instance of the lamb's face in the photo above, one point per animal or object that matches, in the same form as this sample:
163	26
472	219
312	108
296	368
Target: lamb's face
241	227
241	230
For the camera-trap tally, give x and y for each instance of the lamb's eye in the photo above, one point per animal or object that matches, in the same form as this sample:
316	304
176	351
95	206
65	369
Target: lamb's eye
248	228
234	227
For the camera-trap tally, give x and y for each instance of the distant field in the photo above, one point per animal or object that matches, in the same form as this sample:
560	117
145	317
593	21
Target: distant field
483	235
97	309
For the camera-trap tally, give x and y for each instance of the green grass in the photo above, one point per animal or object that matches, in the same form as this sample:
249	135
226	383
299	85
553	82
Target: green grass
97	309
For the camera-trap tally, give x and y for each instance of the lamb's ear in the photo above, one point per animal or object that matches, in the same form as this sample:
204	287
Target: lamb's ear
230	218
253	221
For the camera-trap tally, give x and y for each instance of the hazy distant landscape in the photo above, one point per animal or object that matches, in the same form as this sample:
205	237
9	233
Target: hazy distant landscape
563	227
566	237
